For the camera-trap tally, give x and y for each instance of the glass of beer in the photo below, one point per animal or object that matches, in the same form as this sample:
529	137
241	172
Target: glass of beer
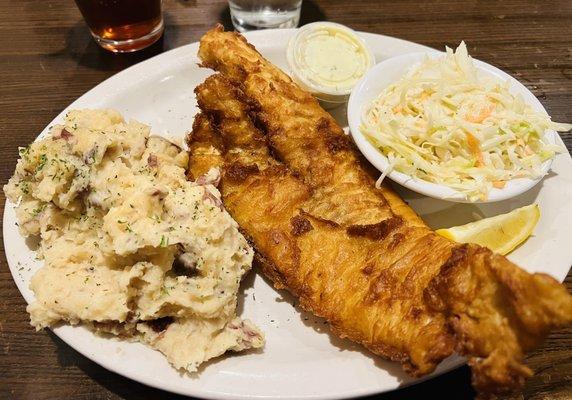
123	25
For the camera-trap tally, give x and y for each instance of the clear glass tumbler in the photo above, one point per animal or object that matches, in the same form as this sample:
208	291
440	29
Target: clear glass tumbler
250	15
123	25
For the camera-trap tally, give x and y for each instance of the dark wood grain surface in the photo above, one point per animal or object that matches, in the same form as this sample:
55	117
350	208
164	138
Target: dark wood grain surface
48	59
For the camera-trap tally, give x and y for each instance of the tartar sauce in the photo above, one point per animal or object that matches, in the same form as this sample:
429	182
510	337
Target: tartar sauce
328	59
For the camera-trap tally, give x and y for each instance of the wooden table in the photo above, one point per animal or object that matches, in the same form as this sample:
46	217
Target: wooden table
48	59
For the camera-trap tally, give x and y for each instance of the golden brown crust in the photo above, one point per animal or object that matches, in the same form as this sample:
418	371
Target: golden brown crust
497	312
204	148
377	231
270	204
369	264
300	225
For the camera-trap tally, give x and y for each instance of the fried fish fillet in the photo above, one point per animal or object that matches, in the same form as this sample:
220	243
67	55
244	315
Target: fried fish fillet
356	255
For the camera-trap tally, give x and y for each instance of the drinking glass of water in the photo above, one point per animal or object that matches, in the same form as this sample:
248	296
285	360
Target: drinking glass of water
250	15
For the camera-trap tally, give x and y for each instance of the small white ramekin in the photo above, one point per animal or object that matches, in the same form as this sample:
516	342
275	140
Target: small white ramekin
301	68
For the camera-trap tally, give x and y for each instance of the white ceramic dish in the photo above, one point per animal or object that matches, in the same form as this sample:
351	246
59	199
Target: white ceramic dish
389	71
313	72
301	359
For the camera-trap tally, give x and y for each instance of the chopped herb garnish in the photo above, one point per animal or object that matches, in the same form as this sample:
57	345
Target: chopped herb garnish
164	241
24	188
38	210
42	163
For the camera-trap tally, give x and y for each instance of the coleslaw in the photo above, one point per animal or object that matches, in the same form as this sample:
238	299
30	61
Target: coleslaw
446	124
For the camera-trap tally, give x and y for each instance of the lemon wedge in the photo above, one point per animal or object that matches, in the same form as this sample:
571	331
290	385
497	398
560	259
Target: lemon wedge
501	233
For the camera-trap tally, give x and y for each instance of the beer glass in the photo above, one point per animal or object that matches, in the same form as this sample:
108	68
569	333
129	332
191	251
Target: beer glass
123	25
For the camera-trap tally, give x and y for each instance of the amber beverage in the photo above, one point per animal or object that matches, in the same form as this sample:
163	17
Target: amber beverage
123	25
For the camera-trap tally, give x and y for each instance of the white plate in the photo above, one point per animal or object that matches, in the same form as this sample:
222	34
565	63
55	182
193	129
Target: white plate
301	359
389	71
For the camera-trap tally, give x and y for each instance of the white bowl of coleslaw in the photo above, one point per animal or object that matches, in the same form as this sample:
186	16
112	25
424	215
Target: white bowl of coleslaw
452	128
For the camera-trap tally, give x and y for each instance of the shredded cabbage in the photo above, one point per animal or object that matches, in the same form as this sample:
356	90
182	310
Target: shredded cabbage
445	123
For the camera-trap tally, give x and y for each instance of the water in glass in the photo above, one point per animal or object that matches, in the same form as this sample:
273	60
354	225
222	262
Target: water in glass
250	15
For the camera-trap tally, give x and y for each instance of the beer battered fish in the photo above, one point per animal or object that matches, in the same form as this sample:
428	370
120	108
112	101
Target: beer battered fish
353	254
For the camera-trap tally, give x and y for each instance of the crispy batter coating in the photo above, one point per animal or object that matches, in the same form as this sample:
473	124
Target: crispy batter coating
358	256
205	147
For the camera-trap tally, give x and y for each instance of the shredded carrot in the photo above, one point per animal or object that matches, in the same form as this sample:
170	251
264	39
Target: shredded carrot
499	184
483	113
475	148
397	109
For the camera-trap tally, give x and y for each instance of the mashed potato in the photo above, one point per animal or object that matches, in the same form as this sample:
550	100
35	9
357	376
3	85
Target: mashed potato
130	247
